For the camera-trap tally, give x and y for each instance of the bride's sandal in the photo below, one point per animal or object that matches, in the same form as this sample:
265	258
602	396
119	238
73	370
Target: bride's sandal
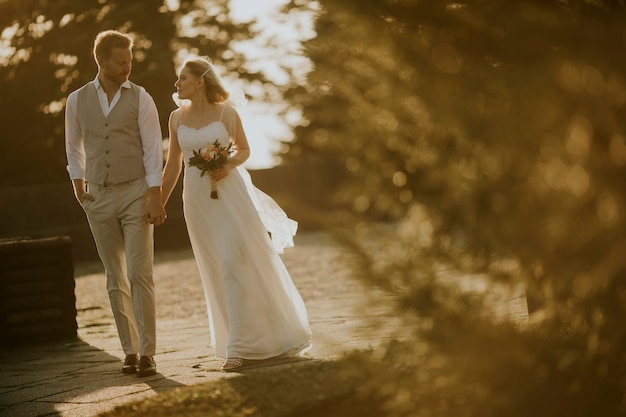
232	364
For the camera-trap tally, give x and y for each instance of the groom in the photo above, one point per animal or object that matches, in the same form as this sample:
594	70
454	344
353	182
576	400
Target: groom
115	159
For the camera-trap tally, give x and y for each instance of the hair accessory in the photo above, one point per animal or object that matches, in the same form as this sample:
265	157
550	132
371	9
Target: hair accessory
205	72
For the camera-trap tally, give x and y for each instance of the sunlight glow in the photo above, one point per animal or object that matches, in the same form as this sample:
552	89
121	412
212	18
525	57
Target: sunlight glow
277	46
66	19
39	27
275	51
6	50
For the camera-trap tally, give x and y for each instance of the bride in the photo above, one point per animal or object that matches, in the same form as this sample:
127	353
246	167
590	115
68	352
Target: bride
255	311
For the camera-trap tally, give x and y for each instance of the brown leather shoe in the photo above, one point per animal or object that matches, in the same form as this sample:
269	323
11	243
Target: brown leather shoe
146	366
130	364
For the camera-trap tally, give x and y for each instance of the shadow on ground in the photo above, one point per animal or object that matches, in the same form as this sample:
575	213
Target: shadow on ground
48	379
299	388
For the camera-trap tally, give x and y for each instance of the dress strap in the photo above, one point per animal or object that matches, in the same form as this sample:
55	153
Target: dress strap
222	113
180	118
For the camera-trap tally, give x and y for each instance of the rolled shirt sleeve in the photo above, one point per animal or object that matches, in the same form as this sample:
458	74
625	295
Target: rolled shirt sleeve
151	139
74	141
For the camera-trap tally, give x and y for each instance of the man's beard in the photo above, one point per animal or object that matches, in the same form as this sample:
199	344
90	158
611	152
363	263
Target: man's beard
122	78
118	78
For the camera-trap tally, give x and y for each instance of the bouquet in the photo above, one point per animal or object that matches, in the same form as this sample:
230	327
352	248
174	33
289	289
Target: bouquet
213	156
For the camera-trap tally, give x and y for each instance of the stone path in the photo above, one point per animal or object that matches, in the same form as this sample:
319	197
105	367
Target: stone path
82	378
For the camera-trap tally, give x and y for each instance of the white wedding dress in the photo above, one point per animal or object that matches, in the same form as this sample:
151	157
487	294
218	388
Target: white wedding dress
254	308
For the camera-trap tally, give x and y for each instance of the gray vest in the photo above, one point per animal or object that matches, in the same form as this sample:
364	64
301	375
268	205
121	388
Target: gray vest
113	145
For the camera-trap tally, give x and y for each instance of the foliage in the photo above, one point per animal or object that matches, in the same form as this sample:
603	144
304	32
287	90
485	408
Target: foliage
492	133
47	53
282	391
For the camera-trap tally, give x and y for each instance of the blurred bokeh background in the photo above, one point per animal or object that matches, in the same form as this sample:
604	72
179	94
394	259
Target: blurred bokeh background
438	140
46	52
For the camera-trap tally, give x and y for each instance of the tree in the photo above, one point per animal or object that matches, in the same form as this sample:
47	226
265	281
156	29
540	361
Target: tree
493	134
48	53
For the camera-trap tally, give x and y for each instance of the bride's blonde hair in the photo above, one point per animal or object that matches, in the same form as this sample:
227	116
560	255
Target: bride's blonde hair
213	87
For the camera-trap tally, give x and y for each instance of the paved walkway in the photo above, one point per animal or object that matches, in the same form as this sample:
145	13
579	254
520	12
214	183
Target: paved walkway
82	378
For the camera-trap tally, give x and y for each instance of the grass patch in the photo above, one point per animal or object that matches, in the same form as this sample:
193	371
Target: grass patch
302	389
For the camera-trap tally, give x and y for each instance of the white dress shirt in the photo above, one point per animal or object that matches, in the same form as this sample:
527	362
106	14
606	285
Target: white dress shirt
149	129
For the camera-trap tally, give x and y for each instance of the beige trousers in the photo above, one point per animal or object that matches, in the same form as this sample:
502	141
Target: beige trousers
126	247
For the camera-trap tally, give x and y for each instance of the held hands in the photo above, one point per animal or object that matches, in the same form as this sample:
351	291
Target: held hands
155	212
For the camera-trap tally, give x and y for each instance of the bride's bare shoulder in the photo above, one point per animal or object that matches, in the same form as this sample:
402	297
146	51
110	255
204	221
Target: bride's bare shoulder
176	116
230	110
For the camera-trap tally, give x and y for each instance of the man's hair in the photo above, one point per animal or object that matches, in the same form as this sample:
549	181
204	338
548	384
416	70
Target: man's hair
108	40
